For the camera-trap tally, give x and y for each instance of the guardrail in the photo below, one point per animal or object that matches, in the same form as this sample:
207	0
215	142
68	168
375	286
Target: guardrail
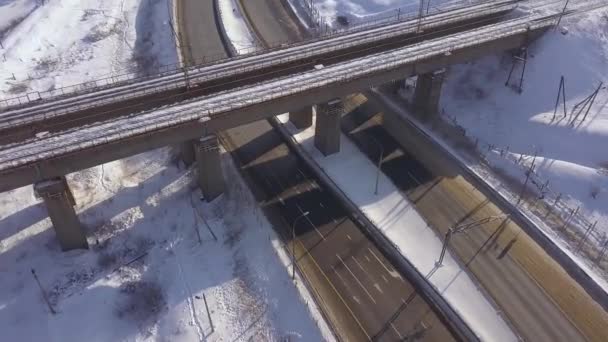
249	64
173	69
12	156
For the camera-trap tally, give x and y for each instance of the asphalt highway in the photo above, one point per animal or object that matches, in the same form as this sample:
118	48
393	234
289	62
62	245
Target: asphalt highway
358	289
533	291
539	299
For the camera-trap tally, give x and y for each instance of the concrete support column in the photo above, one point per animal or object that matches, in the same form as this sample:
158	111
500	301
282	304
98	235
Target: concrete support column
58	200
186	151
210	177
398	85
327	128
428	92
302	117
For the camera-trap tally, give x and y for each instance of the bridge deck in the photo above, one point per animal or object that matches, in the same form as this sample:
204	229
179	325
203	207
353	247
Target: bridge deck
67	151
62	112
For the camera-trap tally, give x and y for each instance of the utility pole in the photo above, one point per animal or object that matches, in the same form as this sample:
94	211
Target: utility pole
293	244
420	11
380	160
561	16
462	228
46	298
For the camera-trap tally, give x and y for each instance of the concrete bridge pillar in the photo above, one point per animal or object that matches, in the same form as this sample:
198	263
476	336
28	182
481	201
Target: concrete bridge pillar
60	206
428	92
327	128
210	177
302	117
187	152
397	85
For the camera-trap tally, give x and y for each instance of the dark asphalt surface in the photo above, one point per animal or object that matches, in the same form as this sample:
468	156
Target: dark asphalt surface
380	303
507	263
360	291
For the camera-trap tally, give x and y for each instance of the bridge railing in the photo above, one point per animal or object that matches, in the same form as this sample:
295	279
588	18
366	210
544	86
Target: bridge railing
182	81
124	128
174	69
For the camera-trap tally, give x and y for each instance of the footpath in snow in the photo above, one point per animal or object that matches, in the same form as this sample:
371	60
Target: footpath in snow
397	219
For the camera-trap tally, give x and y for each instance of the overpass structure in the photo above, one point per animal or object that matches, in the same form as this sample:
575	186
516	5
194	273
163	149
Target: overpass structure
55	110
49	139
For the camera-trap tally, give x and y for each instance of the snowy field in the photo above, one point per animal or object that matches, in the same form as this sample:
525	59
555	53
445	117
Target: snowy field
570	151
159	256
366	10
147	275
393	214
68	42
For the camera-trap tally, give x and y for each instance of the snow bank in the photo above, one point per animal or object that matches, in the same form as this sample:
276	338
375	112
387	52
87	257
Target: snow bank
236	27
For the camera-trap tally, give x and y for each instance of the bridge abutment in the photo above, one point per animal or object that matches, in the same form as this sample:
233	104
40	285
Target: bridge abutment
327	128
302	117
208	161
60	203
428	93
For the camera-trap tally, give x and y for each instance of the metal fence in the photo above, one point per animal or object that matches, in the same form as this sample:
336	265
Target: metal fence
124	128
550	206
129	77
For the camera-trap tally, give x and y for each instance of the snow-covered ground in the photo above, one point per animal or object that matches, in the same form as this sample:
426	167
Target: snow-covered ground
69	42
570	151
154	266
146	208
13	11
235	27
393	214
366	10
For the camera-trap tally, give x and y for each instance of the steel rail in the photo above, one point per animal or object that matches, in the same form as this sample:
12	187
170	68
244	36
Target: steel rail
236	80
212	107
175	69
198	76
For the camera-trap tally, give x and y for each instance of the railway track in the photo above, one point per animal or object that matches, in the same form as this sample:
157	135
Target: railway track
43	145
63	112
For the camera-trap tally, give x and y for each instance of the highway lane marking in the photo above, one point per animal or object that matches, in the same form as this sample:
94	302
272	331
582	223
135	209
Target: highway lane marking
334	288
396	331
393	274
348	237
367	258
385	280
345	283
414	178
356	279
366	273
309	221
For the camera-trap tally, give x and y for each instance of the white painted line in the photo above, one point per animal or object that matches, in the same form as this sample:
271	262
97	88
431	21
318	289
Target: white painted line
370	277
356	279
345	283
393	274
385	280
414	178
348	237
396	331
309	221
